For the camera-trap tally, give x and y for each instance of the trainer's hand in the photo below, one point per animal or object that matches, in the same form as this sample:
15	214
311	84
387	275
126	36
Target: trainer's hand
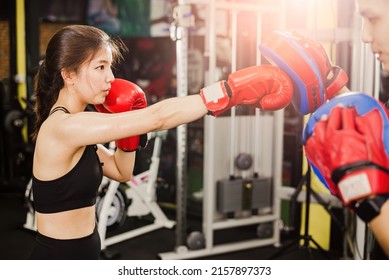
347	144
125	96
314	79
264	86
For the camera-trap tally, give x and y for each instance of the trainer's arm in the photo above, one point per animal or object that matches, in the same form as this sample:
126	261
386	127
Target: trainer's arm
380	227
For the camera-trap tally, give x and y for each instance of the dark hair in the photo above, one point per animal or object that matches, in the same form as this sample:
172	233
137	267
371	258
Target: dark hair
68	49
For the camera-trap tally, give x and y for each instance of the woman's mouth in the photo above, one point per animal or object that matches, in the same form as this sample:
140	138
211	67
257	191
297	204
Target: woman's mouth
378	56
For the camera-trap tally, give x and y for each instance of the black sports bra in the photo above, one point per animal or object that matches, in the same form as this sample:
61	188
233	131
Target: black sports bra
76	189
59	108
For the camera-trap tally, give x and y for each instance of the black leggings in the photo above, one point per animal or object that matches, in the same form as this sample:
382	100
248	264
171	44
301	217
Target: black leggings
84	248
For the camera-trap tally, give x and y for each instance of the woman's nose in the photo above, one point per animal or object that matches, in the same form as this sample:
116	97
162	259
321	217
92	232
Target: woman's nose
366	34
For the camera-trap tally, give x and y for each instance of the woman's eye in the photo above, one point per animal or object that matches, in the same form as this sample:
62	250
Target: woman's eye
373	20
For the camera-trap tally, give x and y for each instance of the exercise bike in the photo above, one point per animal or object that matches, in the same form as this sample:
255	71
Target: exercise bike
116	201
140	193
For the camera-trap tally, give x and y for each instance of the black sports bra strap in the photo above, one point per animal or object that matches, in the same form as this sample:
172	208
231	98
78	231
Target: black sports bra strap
59	108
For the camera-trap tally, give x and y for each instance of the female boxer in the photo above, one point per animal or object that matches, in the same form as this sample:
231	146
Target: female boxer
69	162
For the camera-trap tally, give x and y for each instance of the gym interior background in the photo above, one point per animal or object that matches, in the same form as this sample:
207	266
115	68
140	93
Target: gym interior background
195	202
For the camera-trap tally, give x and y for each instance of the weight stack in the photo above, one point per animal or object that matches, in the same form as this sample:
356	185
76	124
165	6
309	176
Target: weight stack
243	194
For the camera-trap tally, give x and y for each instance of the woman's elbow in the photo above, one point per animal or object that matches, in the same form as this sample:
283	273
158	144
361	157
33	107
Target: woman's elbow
125	177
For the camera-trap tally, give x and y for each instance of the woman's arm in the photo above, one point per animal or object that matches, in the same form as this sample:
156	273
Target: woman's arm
263	86
90	127
118	166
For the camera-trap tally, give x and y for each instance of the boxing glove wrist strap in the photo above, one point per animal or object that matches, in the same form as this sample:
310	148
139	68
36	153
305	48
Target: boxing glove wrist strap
216	97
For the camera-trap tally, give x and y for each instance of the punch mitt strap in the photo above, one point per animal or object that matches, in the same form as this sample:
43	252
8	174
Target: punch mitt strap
369	208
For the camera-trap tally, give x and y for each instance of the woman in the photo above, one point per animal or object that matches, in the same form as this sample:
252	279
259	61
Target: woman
76	72
69	163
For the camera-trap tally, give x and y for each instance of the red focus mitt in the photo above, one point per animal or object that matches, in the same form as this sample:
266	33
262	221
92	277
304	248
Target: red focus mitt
347	144
314	79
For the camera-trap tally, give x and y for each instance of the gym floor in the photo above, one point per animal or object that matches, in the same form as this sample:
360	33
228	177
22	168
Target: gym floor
16	242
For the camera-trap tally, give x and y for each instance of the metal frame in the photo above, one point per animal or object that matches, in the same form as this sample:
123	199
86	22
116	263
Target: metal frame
179	33
267	125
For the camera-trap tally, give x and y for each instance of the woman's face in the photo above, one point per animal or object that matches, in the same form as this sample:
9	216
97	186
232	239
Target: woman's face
375	28
94	77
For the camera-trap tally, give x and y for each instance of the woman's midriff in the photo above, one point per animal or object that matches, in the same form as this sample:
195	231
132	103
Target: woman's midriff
70	224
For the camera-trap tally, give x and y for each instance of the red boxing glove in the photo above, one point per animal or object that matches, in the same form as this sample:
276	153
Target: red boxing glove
348	149
125	96
264	86
100	108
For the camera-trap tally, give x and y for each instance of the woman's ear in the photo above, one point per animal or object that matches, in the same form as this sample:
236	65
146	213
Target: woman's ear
67	77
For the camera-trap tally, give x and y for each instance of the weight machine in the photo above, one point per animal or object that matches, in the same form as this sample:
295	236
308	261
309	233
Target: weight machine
268	161
141	192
